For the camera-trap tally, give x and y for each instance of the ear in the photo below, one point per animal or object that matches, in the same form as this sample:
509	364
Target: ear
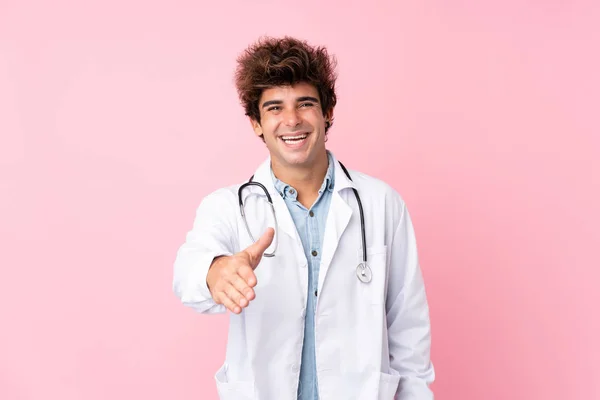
256	127
329	114
329	117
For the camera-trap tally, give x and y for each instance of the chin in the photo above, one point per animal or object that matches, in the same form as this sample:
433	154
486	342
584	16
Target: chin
296	160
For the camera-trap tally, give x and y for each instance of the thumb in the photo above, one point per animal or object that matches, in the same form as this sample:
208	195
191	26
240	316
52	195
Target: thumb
256	250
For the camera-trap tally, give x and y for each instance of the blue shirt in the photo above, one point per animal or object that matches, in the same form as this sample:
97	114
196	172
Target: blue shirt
310	224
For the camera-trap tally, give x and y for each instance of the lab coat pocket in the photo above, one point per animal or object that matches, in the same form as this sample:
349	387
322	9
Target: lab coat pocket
388	384
236	390
373	292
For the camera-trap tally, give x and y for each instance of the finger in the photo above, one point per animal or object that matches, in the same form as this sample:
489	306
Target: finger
240	282
238	298
256	250
228	303
247	273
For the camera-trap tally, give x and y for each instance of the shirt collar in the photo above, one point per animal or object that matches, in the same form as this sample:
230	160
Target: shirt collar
286	190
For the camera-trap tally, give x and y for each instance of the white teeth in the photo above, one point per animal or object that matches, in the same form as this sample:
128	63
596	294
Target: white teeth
299	137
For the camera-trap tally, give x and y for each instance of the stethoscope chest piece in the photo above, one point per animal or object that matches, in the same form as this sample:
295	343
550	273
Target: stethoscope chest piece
363	272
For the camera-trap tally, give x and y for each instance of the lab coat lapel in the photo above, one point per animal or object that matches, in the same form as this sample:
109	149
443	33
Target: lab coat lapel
338	219
285	223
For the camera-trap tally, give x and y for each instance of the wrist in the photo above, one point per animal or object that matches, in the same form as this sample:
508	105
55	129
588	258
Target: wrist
214	262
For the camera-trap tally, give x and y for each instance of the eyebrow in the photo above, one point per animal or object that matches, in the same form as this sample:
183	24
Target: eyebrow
298	100
307	98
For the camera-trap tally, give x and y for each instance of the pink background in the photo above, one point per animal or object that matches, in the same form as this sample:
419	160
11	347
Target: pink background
116	118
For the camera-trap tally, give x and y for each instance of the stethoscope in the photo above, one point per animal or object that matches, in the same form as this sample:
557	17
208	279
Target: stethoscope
363	271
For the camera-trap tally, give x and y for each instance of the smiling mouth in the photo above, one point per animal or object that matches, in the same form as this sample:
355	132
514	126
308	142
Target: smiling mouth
293	139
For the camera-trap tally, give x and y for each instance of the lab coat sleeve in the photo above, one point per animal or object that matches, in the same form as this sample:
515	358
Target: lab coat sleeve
213	234
408	323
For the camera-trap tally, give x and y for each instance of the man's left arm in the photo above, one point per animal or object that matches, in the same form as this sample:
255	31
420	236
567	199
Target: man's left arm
409	331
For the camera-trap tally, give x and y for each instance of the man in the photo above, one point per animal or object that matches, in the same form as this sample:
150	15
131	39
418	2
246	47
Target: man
311	322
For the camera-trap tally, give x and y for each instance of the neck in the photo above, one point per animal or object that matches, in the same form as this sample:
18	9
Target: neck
306	180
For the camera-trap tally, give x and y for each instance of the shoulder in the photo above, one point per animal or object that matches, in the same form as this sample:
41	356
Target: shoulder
370	186
221	198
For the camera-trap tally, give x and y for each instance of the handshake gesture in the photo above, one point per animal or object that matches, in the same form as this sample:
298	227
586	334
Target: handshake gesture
230	279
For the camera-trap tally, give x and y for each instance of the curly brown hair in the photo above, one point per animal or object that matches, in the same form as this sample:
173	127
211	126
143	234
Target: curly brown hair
284	61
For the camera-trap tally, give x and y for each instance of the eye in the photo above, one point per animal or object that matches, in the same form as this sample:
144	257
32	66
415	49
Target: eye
306	104
274	108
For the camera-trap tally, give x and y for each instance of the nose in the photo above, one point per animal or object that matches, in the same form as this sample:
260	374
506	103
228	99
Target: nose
291	117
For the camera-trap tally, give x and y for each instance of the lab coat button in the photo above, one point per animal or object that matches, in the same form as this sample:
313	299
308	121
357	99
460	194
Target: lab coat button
295	368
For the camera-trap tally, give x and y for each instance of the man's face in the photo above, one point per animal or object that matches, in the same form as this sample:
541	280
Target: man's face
292	124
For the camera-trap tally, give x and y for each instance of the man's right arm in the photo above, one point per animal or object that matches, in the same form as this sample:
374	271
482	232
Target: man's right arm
213	234
208	276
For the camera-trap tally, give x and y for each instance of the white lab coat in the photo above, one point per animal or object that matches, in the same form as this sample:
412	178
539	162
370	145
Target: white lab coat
372	340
